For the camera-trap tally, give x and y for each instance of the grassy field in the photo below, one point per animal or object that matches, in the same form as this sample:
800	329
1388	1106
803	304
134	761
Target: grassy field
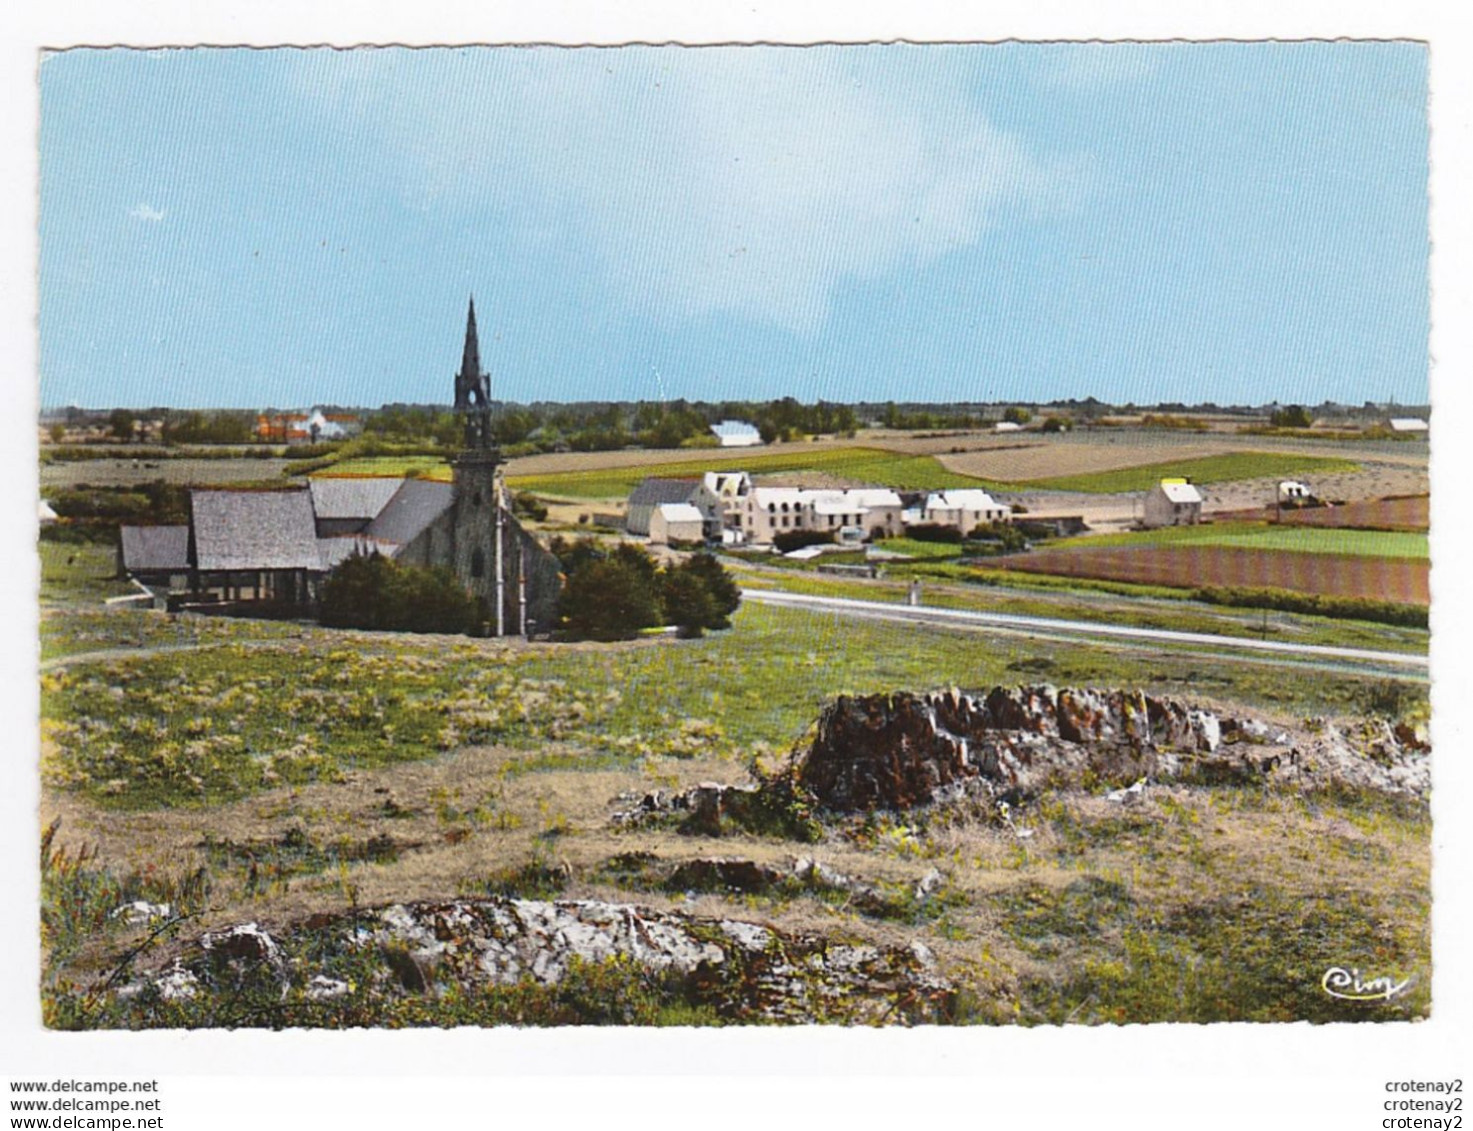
276	773
1267	536
863	465
83	571
1013	594
389	467
1208	469
195	728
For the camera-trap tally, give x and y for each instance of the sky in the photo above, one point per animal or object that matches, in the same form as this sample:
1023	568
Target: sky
1227	223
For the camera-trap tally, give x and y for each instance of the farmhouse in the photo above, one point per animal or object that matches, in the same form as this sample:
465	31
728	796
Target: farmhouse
770	511
736	434
720	498
965	509
656	492
276	546
1172	502
304	427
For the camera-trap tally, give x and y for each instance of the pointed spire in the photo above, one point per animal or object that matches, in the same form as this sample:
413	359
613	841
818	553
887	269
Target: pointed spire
470	362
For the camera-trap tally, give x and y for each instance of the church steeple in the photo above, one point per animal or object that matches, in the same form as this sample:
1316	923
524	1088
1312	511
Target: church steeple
473	390
470	361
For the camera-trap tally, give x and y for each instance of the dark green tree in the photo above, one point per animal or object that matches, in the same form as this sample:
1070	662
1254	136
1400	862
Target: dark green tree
608	599
374	592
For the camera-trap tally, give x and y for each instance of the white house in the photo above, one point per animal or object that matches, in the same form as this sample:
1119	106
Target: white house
720	498
964	509
736	434
676	522
1407	424
770	511
1173	502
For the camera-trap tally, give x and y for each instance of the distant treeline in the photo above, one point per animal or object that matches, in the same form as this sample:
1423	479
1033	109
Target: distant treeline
524	429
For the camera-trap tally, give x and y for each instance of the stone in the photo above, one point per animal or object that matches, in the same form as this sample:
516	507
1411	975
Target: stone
141	911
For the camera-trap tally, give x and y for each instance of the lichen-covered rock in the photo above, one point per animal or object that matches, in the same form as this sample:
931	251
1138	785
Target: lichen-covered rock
906	749
750	969
902	750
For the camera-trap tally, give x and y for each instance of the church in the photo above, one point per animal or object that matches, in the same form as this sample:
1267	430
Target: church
273	547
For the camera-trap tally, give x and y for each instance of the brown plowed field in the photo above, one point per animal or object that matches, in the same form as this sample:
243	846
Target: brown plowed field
1368	514
1186	567
1409	514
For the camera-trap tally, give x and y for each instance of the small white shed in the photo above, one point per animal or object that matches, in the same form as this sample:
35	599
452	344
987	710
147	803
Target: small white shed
1173	502
676	522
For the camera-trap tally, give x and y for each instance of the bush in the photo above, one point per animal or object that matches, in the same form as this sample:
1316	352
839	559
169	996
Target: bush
790	540
699	594
612	595
524	504
374	592
1000	538
1291	416
609	598
934	532
1345	608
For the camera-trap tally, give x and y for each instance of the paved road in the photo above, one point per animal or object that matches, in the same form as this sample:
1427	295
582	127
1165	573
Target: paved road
967	618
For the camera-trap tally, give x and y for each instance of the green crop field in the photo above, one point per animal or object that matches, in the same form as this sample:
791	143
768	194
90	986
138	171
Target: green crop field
1207	469
863	465
1265	536
395	467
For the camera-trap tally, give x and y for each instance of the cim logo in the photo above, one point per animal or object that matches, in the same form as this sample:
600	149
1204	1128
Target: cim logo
1347	985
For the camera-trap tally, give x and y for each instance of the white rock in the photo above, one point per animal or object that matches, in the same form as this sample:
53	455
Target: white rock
323	988
141	911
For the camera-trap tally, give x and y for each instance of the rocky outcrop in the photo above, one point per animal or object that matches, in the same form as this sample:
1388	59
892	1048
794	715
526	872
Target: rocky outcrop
903	750
749	970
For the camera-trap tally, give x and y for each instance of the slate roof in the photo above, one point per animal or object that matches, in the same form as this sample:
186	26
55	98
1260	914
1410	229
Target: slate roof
339	549
352	496
248	530
147	548
416	504
653	492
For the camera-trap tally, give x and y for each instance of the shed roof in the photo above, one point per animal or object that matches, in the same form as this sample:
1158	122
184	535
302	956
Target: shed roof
155	548
653	491
680	512
416	504
352	496
254	530
735	428
1179	491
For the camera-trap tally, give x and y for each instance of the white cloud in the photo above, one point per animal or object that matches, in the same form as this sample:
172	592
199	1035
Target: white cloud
744	181
147	212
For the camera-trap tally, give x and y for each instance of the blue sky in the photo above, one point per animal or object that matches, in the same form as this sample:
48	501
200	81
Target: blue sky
1194	222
